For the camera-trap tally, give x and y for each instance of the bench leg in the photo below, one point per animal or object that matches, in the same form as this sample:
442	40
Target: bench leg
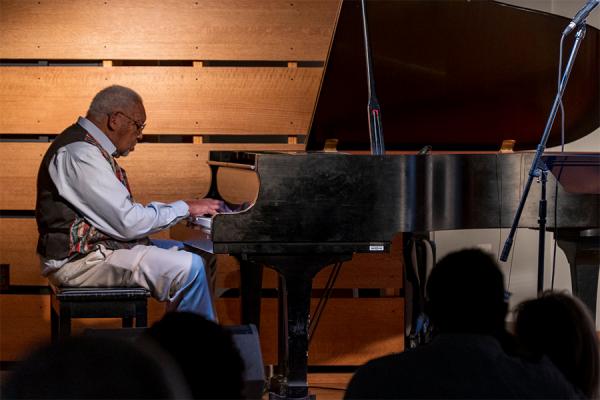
53	325
141	314
64	321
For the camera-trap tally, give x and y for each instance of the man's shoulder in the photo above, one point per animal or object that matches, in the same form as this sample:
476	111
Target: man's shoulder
541	377
80	150
70	136
399	375
80	146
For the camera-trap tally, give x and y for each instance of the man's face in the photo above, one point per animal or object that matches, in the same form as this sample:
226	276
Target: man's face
129	124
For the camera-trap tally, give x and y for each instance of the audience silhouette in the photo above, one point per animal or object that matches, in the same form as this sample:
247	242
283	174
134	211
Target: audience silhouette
465	359
214	369
559	326
96	368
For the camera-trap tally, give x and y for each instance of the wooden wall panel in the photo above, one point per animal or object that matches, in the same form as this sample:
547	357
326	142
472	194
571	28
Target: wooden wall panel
18	240
156	171
19	164
377	270
366	271
24	324
238	186
192	100
167	172
351	331
167	29
178	100
374	271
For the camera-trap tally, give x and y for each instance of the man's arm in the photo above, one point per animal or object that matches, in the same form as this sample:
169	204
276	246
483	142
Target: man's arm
85	179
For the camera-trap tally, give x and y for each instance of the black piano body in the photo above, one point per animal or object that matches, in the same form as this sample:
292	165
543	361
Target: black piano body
317	201
315	209
475	74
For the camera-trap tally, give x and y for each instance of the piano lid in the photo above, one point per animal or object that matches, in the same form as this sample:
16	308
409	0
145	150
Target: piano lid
457	75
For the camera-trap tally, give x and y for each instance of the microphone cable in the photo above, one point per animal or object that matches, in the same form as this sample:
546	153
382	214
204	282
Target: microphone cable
562	149
314	322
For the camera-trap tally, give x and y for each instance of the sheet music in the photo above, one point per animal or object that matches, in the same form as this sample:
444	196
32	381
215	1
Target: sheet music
204	222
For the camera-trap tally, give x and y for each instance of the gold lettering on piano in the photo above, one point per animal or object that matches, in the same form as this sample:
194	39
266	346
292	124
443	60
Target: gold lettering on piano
330	145
508	146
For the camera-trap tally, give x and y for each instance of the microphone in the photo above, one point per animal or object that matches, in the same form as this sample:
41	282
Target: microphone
581	16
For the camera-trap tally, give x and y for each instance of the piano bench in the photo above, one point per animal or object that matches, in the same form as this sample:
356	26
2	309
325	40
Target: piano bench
126	303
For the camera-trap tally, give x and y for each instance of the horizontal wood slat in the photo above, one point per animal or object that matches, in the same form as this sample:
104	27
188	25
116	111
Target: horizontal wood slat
178	100
237	186
18	239
368	271
24	324
373	270
167	29
155	174
351	331
167	172
19	164
156	171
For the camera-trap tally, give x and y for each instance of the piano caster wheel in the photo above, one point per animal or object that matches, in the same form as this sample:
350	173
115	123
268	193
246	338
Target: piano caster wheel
280	390
277	386
275	396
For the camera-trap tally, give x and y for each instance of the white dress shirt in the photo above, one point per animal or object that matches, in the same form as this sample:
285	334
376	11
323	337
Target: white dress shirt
86	180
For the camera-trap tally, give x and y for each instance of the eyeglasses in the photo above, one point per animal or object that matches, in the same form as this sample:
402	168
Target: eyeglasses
140	127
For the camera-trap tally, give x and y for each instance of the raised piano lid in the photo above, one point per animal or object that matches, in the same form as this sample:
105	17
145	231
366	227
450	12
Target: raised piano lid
456	75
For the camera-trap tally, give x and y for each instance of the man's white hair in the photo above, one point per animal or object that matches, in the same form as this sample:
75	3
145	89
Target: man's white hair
113	98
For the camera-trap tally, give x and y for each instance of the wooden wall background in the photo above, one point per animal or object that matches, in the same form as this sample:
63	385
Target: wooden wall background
214	74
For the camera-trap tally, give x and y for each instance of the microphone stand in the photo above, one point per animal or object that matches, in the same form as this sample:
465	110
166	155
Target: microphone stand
539	170
375	129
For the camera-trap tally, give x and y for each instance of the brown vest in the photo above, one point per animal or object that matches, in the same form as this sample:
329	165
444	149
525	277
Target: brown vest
63	231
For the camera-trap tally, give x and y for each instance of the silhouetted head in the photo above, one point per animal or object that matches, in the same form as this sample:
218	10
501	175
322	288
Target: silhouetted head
96	368
465	294
205	352
561	327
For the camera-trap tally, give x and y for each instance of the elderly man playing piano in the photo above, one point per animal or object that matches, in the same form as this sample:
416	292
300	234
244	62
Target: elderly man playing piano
93	233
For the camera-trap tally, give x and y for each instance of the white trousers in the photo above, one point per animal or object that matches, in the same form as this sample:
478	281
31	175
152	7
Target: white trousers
163	272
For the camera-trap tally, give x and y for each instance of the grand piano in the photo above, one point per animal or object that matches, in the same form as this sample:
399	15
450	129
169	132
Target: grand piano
461	77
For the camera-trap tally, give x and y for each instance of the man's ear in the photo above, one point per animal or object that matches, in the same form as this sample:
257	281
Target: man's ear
112	123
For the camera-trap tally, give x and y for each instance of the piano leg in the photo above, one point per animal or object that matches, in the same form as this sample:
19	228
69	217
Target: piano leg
293	355
296	274
250	291
582	249
419	257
